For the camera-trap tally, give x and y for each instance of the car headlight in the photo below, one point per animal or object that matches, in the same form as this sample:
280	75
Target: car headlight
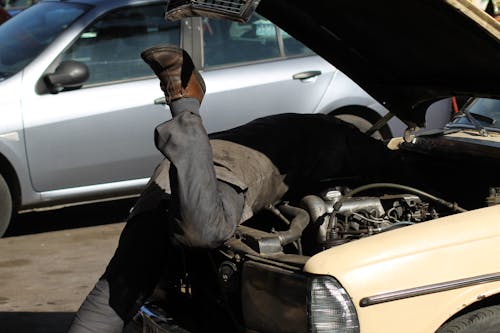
330	307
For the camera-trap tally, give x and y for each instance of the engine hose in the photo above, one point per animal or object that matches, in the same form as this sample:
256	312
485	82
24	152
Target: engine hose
297	225
451	205
315	206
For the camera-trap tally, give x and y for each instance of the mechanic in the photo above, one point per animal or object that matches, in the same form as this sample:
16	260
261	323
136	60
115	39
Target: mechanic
207	186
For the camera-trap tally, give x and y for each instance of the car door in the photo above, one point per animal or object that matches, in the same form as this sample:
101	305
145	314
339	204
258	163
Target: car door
255	69
103	132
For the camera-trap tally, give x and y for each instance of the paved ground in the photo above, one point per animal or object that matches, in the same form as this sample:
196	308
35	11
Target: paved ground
44	277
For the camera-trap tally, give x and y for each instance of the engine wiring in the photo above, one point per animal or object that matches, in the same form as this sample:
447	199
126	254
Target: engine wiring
451	205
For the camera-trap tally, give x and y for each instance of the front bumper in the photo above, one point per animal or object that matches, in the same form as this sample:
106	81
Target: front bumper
277	298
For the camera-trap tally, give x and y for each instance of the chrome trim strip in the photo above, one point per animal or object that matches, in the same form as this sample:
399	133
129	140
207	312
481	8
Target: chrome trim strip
429	289
55	199
135	185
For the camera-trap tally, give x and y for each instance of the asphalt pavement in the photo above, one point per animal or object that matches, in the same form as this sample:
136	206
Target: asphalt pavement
45	276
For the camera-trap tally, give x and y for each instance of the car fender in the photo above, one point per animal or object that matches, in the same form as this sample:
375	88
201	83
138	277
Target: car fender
12	153
438	252
342	91
12	145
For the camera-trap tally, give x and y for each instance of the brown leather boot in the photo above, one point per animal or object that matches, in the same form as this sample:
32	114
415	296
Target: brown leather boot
175	69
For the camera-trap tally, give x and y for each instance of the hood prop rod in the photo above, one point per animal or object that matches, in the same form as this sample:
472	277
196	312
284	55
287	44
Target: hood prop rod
380	123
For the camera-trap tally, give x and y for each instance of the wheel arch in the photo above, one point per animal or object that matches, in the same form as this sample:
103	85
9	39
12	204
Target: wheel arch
10	176
481	303
366	113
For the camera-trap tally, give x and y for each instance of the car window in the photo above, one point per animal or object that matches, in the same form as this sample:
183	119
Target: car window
486	111
111	46
293	47
26	35
227	42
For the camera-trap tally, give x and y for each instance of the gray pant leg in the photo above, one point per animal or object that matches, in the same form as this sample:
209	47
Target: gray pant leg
211	218
208	210
95	315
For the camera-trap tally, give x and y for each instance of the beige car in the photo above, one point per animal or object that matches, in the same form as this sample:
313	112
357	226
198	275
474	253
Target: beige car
357	255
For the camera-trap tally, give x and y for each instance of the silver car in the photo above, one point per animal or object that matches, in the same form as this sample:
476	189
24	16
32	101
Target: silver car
78	105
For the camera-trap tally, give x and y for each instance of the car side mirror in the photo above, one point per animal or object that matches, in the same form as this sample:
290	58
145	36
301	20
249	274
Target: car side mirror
68	75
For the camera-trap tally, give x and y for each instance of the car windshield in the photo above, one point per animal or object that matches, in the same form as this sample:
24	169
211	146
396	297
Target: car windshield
485	111
27	34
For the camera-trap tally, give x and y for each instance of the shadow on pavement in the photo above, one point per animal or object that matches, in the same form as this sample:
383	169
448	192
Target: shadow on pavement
71	217
35	322
43	322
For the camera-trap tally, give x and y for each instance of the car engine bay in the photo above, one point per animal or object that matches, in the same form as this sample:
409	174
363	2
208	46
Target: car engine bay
255	275
340	215
446	179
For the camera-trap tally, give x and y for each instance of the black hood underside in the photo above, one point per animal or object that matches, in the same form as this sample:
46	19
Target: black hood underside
406	54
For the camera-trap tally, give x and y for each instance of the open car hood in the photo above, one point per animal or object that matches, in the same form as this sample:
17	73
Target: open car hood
406	54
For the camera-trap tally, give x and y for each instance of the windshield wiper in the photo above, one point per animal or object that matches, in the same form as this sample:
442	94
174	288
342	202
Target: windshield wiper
483	118
472	118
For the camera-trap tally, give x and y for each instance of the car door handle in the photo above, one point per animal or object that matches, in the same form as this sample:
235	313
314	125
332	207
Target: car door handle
160	100
306	75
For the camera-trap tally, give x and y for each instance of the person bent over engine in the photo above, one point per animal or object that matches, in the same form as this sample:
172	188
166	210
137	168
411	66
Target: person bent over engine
207	185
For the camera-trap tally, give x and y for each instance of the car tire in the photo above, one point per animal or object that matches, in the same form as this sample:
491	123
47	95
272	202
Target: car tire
361	123
485	320
6	206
